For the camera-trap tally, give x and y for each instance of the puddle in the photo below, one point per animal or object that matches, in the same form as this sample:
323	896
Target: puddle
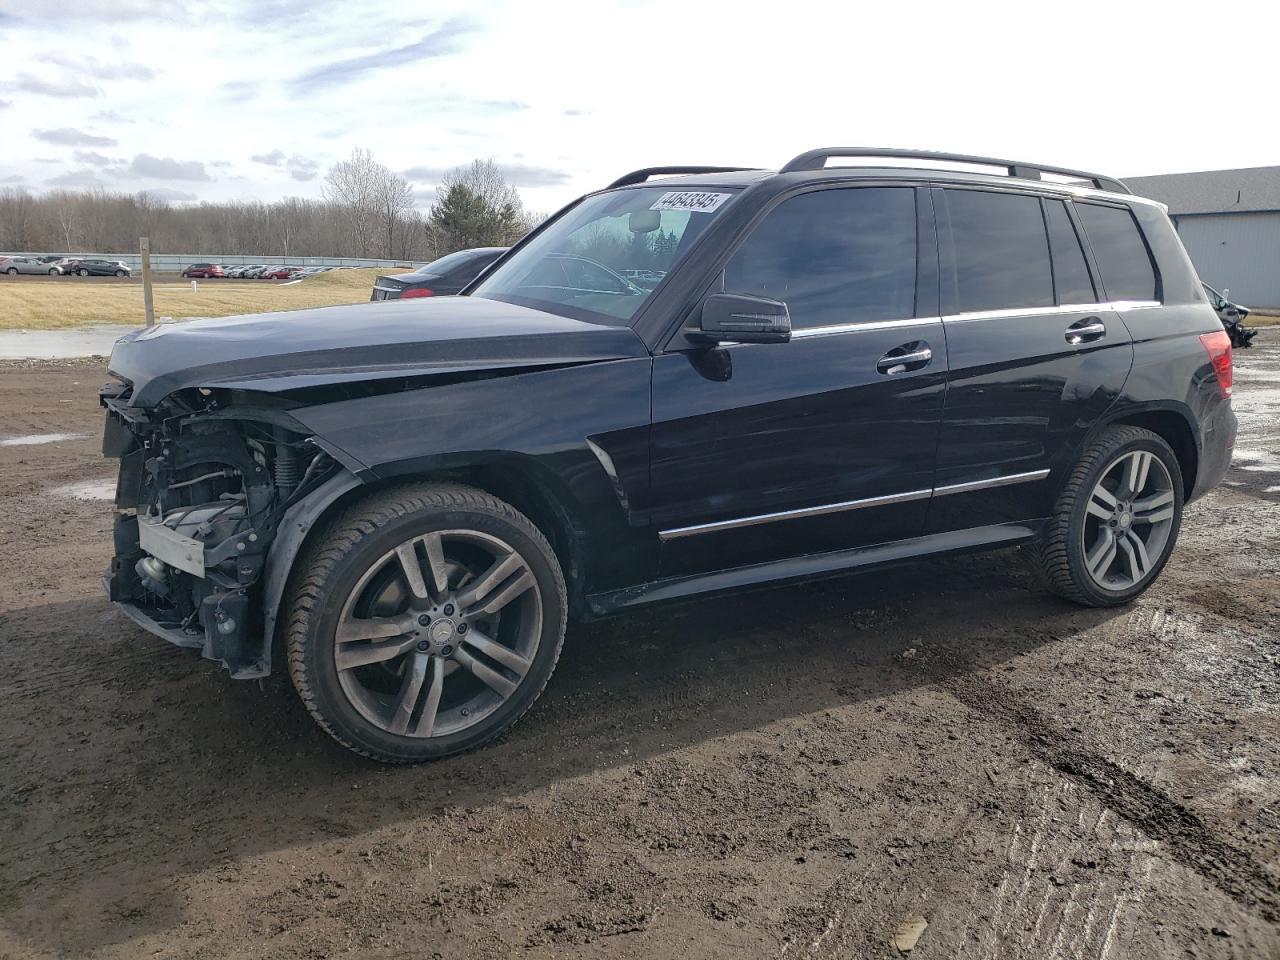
38	438
88	490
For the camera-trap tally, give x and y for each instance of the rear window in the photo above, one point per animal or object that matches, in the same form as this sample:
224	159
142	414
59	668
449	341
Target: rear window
1001	251
1121	254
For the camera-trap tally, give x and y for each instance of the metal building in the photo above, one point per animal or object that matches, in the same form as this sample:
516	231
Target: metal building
1229	221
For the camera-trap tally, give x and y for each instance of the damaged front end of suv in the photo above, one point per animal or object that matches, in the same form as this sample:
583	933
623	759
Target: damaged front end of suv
206	477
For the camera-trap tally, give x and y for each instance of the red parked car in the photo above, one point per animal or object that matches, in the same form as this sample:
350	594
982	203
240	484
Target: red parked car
279	273
204	271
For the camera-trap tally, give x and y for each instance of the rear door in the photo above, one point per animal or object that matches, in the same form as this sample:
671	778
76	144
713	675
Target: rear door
1034	354
762	452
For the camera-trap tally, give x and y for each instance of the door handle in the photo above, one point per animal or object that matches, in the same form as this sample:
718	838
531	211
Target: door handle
909	356
1083	331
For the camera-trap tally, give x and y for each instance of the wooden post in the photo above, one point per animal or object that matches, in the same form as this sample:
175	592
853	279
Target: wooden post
144	247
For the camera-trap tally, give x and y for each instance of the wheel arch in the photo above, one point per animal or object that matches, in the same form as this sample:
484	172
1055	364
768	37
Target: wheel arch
1172	423
517	479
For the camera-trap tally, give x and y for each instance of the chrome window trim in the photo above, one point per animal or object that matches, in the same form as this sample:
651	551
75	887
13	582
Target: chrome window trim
836	328
844	505
1116	306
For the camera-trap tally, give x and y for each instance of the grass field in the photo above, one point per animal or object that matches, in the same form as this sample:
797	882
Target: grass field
40	305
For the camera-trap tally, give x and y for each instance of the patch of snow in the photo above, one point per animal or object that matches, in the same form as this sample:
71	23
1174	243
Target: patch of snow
38	438
88	490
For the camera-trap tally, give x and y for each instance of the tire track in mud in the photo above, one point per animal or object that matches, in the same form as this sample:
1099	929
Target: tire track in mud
1148	809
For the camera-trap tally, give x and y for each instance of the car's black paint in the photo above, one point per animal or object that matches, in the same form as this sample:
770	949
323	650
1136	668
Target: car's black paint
629	433
302	348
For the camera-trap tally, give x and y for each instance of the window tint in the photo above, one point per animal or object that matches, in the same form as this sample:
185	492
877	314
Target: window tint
834	256
1120	252
1001	251
1070	272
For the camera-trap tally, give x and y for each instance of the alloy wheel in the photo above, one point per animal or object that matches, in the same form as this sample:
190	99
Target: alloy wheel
1128	520
438	633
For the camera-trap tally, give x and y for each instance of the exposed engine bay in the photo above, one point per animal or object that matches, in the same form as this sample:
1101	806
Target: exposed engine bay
205	478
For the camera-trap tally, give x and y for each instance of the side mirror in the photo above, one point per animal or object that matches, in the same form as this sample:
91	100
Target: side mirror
738	318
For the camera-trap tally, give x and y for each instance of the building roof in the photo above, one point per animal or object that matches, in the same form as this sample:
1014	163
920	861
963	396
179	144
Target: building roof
1213	191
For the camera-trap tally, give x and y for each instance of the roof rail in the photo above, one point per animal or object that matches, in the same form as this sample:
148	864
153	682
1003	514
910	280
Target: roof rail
817	160
640	176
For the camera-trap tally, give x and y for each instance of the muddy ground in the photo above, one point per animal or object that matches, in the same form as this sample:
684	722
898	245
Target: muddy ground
791	774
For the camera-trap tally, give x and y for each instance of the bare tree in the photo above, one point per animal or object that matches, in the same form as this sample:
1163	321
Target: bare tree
352	185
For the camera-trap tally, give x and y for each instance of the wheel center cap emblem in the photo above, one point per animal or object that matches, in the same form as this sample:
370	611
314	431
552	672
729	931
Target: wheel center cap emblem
1126	519
442	631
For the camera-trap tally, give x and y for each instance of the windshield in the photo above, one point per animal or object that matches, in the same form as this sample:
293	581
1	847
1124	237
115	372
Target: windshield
602	259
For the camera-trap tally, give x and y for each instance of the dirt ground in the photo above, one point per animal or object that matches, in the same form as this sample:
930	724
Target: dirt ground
797	773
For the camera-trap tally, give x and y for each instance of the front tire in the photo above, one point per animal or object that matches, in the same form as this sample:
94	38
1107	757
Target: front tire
53	272
424	622
12	271
119	273
1116	521
82	273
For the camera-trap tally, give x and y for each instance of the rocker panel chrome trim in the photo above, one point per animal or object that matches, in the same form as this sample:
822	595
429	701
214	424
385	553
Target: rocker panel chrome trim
906	497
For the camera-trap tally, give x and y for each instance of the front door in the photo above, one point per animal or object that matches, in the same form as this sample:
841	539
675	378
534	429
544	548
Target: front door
767	451
1035	354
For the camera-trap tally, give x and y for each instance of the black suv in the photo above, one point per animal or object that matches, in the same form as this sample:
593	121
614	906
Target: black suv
840	367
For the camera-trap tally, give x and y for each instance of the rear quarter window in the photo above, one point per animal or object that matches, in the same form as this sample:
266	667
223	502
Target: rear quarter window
1124	262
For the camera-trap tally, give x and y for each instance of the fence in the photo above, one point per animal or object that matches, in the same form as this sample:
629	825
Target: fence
176	262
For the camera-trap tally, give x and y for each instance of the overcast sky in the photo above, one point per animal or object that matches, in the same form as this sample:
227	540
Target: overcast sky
255	99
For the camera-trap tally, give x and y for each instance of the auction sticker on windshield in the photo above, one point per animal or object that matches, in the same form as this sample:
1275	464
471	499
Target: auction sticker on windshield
695	201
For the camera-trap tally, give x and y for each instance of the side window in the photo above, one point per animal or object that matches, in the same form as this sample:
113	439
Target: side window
1070	271
834	256
1001	251
1120	252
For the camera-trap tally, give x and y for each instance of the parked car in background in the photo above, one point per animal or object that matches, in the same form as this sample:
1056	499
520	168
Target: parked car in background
1232	316
233	273
405	503
203	271
310	272
278	273
16	265
440	278
93	267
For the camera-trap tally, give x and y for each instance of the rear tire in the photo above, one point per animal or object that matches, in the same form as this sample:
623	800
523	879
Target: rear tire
12	271
1107	542
424	622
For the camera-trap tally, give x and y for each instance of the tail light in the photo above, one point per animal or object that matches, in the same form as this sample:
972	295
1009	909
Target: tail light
1218	346
417	292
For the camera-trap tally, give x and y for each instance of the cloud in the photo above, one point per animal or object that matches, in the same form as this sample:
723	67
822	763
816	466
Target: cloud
67	87
499	106
110	116
169	195
272	159
438	43
5	104
239	91
523	175
42	12
576	113
219	163
71	137
96	159
77	178
166	168
516	174
13	178
93	67
299	167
